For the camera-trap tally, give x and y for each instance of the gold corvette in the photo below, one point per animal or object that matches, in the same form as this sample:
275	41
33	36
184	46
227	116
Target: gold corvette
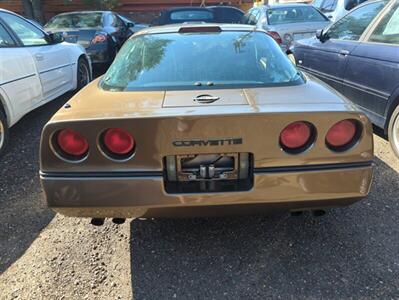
204	120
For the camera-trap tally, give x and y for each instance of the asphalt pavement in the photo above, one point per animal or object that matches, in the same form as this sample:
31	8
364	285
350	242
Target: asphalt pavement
349	253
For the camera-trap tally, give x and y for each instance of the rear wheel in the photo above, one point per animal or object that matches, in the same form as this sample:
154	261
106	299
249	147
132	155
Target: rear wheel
83	78
393	131
3	132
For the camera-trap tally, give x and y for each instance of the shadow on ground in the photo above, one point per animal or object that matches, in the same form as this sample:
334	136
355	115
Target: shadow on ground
23	213
350	252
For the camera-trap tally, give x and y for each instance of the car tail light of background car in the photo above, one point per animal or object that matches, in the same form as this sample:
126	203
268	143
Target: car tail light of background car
276	36
99	38
71	145
342	135
297	137
117	143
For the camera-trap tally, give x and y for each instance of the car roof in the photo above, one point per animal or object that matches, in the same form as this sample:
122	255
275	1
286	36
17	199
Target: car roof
283	5
223	7
174	28
83	12
186	8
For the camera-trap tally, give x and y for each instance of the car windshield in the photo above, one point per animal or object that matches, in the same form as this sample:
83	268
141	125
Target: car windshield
187	15
174	61
77	20
325	5
298	14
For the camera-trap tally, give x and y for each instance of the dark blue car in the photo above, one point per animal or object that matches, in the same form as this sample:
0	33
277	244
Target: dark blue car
359	56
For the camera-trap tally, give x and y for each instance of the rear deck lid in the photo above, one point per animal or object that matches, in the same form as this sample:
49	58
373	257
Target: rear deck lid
204	98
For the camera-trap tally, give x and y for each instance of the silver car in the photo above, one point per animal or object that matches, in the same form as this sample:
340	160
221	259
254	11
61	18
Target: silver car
287	22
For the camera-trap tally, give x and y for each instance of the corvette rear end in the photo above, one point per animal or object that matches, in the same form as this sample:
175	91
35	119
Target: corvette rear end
206	146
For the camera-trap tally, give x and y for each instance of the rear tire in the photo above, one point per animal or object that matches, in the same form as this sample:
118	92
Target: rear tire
393	131
83	76
3	133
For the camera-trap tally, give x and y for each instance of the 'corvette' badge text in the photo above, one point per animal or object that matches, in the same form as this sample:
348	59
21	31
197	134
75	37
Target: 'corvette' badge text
211	142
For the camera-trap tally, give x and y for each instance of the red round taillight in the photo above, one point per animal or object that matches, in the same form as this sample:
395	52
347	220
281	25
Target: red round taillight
118	142
341	135
297	136
72	143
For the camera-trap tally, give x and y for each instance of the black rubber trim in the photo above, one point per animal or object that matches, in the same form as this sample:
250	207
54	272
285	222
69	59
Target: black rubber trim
322	167
101	174
288	169
55	68
17	79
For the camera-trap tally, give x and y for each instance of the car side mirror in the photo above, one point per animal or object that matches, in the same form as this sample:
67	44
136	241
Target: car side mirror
56	38
130	25
321	35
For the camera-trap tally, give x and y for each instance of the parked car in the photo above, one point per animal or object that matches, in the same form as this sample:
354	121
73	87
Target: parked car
211	14
133	26
35	67
101	33
336	9
165	133
359	56
287	23
227	14
185	14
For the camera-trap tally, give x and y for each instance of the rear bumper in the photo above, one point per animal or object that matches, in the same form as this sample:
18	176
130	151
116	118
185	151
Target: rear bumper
100	55
136	195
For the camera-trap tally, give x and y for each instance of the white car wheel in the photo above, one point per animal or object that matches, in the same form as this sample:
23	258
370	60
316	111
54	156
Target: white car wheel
3	132
393	131
83	74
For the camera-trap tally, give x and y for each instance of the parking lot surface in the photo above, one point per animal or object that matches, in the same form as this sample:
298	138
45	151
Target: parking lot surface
350	252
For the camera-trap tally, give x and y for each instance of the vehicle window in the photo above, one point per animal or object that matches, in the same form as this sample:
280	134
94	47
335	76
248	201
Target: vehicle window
171	61
183	15
387	31
5	39
287	15
117	22
349	4
352	26
29	34
325	5
76	20
228	15
245	18
253	16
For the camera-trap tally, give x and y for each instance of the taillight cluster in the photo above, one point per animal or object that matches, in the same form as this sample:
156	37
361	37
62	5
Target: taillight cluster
114	143
99	38
299	136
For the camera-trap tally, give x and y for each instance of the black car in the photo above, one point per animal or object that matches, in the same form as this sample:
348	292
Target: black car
359	56
101	33
212	14
227	14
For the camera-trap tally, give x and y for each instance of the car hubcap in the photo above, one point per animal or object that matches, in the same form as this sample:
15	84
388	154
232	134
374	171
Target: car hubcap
83	75
395	133
2	134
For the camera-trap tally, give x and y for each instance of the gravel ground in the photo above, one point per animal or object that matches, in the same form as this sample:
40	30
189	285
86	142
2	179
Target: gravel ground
349	253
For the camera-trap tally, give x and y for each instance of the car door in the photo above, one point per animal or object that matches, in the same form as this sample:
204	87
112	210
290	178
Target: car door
52	60
19	80
378	55
327	56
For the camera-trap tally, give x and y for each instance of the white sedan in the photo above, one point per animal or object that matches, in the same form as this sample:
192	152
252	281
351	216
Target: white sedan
35	67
